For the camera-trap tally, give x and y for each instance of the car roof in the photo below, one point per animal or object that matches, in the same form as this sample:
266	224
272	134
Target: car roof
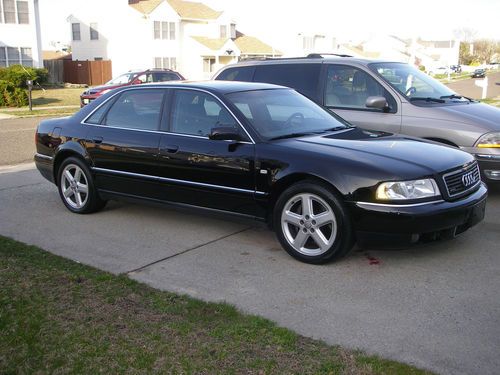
221	87
314	59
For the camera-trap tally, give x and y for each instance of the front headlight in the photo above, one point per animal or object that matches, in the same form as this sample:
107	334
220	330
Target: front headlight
489	140
407	190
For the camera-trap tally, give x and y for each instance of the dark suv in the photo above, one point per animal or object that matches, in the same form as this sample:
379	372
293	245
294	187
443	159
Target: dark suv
386	96
130	78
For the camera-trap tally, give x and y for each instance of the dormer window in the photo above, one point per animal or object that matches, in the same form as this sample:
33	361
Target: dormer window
223	31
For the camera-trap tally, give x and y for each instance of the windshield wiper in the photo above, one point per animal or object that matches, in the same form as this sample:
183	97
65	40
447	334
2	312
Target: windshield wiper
455	96
428	99
291	135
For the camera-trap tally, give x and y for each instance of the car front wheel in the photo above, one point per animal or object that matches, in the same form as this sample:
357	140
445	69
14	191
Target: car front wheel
312	224
76	187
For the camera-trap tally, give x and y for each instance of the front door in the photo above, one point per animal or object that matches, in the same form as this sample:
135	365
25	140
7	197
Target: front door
199	171
346	91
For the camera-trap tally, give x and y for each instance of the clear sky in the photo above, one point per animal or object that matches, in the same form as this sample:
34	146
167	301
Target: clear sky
279	21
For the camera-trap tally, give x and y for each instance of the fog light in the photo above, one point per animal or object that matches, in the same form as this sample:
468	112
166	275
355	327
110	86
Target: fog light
492	175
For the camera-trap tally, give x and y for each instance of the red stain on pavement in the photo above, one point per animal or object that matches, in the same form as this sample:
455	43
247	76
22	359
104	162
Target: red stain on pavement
372	260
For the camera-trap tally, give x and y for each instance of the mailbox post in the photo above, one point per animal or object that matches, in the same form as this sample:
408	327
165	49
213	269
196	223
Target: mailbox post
29	83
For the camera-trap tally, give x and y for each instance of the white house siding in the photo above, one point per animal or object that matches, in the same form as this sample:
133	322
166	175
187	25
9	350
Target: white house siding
24	35
126	37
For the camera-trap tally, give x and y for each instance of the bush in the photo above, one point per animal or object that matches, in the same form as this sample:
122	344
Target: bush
12	96
18	75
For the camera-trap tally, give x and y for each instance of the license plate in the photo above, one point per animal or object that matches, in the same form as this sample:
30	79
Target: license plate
86	101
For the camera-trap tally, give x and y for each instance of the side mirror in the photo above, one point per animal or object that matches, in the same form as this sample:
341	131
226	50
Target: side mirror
224	133
378	102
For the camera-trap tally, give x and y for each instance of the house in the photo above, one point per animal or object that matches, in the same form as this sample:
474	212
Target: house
431	54
186	36
20	41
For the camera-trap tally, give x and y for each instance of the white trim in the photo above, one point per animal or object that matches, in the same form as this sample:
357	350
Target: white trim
174	180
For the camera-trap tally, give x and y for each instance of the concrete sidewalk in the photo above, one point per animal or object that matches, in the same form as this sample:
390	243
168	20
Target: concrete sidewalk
436	306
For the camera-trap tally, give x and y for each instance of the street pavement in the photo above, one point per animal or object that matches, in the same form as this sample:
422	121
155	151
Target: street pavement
17	139
468	88
435	306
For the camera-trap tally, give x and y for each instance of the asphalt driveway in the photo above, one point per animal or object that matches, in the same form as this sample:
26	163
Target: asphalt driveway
435	306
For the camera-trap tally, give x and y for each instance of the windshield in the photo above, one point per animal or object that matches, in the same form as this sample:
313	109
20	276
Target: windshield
122	79
414	84
284	113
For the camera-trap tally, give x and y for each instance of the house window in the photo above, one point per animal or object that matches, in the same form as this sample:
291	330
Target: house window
233	31
208	64
157	28
223	31
307	42
14	55
75	30
26	58
164	30
94	34
166	63
23	15
171	26
3	57
9	11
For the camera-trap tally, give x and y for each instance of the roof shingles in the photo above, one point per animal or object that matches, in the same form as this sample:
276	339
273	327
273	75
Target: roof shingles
185	9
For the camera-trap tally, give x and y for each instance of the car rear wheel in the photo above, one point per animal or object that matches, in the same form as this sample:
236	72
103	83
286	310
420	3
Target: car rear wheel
312	224
76	187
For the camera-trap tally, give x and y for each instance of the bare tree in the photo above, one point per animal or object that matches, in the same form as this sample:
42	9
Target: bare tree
485	50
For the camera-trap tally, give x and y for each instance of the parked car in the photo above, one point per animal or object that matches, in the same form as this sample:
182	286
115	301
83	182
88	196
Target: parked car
479	73
263	152
386	96
130	78
440	70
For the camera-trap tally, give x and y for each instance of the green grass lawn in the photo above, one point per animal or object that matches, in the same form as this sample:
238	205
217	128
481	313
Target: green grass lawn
49	100
58	316
492	101
56	97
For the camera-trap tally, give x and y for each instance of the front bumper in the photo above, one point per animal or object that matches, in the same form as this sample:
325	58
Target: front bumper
419	222
86	99
490	167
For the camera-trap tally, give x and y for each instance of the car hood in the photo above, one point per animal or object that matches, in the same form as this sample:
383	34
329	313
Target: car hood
396	154
481	115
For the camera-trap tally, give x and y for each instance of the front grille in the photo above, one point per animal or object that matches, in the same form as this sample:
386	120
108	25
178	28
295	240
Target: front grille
463	180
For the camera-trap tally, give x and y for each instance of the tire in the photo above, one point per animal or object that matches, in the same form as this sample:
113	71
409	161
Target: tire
319	234
76	187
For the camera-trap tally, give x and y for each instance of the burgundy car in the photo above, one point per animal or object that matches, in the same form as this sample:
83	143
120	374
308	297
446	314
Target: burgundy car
130	78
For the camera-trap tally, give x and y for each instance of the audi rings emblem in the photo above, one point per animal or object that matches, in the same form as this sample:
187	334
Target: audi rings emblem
468	179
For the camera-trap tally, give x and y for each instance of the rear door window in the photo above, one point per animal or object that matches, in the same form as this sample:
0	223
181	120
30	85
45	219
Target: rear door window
302	77
136	109
239	73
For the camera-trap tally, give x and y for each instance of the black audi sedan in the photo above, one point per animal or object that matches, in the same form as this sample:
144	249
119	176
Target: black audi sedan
263	152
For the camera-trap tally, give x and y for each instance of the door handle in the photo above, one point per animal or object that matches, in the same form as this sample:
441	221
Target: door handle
172	149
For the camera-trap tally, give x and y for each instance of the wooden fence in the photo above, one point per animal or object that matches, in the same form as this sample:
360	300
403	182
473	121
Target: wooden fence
56	69
87	72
